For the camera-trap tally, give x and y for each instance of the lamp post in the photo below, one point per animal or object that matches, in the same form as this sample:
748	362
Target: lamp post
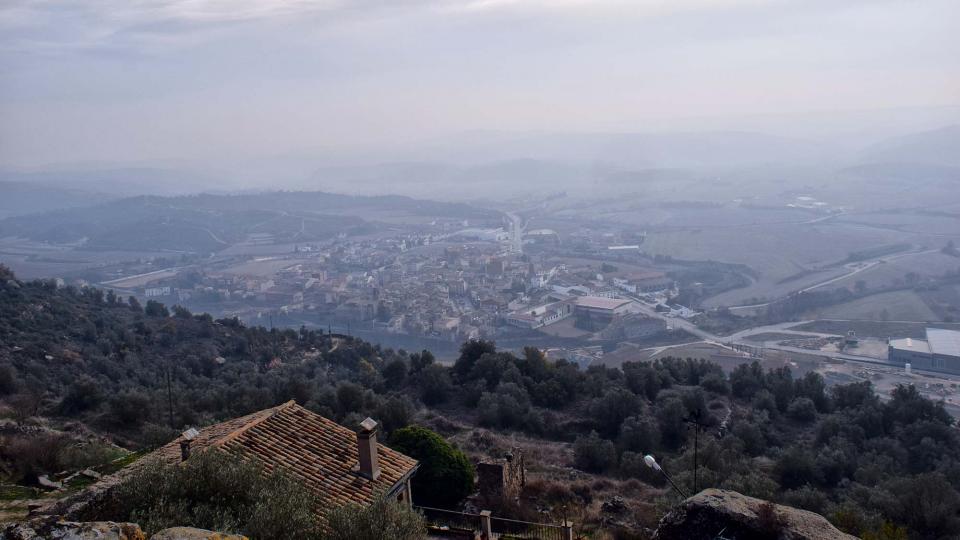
652	463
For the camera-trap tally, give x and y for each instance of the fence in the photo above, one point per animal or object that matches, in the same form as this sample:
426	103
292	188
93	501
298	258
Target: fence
450	521
521	530
460	524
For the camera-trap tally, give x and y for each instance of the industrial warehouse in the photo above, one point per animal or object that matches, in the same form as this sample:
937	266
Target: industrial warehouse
940	351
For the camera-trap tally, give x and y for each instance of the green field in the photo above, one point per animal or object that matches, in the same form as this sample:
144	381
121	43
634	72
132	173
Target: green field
891	306
877	329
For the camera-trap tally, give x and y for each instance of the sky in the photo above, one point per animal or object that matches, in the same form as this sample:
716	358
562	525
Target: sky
137	80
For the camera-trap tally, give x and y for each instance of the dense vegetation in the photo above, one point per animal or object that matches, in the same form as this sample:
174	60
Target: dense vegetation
873	467
213	491
445	473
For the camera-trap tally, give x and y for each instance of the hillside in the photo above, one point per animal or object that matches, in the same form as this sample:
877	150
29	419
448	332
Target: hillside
934	147
208	223
79	365
21	198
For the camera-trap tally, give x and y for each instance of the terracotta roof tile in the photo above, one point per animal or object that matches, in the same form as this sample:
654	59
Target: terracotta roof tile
314	450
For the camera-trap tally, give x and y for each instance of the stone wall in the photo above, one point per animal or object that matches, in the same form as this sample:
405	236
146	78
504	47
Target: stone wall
502	478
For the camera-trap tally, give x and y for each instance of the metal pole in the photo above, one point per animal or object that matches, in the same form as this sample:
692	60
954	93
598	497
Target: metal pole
696	449
680	491
169	397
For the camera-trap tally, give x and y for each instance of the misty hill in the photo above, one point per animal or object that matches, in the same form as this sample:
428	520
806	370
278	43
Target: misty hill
207	223
901	171
491	164
937	147
644	150
26	198
446	181
116	181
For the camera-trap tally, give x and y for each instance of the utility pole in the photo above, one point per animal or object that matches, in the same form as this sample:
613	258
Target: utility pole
694	420
169	396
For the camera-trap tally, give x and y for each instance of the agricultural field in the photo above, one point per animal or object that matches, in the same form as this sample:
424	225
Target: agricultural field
775	252
908	222
890	306
896	267
877	329
36	260
261	267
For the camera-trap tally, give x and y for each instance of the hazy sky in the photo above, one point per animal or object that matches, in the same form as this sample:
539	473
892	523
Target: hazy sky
127	80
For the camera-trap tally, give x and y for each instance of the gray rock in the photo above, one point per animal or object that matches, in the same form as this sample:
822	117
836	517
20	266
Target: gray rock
713	512
51	528
189	533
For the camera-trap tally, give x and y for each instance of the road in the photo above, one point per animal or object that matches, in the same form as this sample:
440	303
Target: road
866	265
739	338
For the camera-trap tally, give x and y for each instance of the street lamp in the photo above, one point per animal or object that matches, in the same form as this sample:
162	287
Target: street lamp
652	463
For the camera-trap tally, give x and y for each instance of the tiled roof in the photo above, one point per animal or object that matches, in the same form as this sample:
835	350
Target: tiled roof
599	302
317	452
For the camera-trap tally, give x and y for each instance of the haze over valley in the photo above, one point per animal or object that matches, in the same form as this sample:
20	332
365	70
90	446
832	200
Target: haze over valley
546	242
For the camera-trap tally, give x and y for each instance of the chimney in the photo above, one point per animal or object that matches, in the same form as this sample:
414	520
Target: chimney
367	445
188	436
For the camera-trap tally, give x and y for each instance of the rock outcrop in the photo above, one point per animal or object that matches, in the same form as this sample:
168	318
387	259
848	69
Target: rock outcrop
715	513
189	533
51	528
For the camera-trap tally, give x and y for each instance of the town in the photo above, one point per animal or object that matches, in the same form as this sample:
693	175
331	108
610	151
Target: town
438	283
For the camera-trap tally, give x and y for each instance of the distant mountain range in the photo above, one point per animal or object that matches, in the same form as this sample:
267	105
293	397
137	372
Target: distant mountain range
19	198
206	223
493	165
934	147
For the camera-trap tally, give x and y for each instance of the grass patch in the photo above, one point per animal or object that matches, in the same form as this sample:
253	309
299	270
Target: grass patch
119	463
10	492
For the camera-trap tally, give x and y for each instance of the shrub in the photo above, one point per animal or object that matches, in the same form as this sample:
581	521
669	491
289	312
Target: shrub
470	352
593	454
716	383
395	413
8	380
639	434
129	408
349	398
82	395
796	467
395	374
214	491
29	456
445	476
385	518
802	409
673	428
156	309
435	385
610	410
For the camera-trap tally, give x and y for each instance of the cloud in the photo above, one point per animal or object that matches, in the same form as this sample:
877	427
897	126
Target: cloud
82	78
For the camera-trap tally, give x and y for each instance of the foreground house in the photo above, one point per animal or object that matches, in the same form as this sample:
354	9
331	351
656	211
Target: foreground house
337	464
340	466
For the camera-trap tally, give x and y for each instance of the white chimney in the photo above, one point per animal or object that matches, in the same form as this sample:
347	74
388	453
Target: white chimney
367	445
188	436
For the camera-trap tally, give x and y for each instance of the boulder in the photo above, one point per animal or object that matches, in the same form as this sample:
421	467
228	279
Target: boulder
715	513
615	505
51	528
189	533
